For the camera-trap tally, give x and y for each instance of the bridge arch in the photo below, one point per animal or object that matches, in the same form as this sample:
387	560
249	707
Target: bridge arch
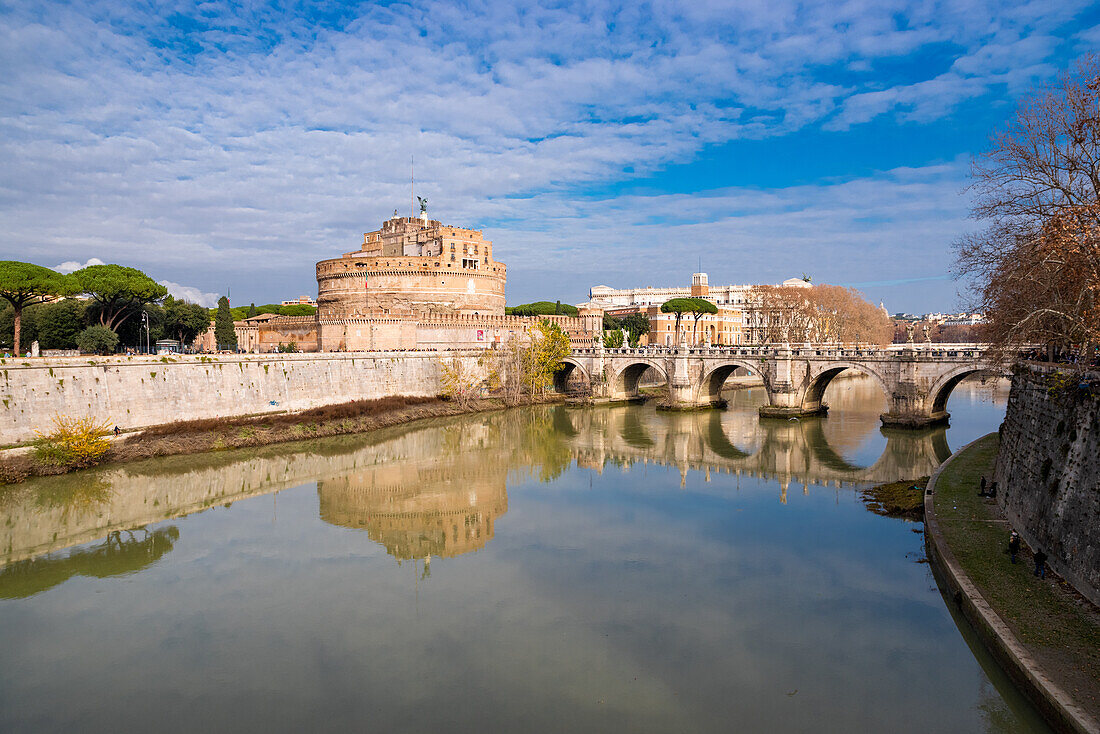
569	368
936	405
710	386
826	373
624	383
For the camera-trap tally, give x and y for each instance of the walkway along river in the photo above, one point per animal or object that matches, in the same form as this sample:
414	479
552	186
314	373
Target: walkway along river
539	569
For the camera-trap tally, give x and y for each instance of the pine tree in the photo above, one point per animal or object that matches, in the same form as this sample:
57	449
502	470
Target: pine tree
224	333
251	310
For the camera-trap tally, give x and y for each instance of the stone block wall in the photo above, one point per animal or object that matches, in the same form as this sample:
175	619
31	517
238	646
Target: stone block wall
136	392
1048	471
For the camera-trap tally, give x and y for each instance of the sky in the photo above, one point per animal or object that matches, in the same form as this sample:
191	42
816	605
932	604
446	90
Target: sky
226	147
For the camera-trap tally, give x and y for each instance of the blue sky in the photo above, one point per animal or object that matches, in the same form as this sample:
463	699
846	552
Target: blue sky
223	146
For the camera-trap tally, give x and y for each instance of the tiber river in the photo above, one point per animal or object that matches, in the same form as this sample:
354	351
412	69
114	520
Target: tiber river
553	569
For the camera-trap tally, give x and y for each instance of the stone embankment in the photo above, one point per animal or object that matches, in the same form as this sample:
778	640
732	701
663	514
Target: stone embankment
1048	470
137	392
1042	635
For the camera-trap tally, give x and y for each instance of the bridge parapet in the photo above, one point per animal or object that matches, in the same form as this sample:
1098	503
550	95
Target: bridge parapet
916	378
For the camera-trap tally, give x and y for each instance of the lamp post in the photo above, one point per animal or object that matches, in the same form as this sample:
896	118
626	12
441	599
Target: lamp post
145	323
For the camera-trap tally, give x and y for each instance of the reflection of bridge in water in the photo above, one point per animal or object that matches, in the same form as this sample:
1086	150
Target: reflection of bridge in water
785	450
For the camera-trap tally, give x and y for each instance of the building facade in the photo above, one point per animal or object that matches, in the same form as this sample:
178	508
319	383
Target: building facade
739	319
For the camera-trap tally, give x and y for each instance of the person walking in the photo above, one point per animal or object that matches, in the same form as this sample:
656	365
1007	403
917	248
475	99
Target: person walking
1040	564
1013	545
981	487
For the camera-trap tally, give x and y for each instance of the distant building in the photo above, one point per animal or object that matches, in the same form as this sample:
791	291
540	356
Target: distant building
301	301
738	320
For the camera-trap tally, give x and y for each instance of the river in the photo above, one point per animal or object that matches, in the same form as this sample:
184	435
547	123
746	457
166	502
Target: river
539	569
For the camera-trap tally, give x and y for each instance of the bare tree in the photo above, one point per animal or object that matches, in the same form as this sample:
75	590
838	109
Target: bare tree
1036	268
822	313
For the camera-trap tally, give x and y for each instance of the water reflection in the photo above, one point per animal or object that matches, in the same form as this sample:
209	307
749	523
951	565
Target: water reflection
120	553
437	489
570	598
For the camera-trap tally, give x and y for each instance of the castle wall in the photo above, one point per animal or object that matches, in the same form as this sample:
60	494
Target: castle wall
136	392
446	331
1048	471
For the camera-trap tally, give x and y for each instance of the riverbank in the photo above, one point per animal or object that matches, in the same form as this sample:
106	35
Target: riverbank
1045	636
214	434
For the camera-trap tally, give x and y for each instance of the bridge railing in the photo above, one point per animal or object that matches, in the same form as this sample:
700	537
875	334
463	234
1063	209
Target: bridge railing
854	351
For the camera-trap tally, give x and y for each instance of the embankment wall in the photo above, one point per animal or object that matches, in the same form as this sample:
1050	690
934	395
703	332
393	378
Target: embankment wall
137	392
1048	470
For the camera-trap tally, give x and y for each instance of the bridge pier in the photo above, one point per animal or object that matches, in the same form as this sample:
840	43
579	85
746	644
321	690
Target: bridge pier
790	387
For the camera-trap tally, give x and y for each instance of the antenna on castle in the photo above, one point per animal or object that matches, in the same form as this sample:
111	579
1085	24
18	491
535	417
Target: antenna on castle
412	187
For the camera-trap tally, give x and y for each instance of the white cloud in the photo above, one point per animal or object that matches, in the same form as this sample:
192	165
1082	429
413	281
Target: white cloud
190	294
71	266
243	153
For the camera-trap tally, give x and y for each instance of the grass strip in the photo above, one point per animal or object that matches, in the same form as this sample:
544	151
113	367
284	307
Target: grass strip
1057	626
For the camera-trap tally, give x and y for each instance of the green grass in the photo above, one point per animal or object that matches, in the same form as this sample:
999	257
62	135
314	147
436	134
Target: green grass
897	499
1047	619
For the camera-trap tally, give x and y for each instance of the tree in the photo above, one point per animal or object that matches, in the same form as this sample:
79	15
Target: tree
678	306
97	339
550	345
636	325
183	320
460	381
613	339
821	313
119	292
541	308
23	284
251	310
59	323
700	307
695	306
225	336
1035	269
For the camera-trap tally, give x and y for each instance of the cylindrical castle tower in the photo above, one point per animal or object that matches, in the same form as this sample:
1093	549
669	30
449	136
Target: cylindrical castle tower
412	267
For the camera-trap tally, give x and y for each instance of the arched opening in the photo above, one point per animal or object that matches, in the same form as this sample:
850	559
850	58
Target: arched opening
941	392
813	399
571	379
626	383
711	387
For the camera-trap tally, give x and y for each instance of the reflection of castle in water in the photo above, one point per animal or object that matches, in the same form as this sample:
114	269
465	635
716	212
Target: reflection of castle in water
439	488
438	504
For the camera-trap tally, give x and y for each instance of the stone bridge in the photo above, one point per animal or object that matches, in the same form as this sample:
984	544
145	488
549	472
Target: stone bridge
916	379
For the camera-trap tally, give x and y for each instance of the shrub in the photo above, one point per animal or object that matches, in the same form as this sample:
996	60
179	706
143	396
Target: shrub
73	442
97	340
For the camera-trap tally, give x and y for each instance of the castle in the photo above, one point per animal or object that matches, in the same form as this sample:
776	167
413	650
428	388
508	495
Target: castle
415	283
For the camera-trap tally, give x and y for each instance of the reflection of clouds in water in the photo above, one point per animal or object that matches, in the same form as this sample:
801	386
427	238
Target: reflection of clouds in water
598	602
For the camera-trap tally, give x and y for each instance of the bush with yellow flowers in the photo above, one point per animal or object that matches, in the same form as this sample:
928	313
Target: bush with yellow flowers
73	442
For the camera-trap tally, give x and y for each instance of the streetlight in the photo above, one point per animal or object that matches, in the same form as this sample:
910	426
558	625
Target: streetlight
145	323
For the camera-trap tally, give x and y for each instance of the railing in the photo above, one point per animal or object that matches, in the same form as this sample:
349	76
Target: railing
951	351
